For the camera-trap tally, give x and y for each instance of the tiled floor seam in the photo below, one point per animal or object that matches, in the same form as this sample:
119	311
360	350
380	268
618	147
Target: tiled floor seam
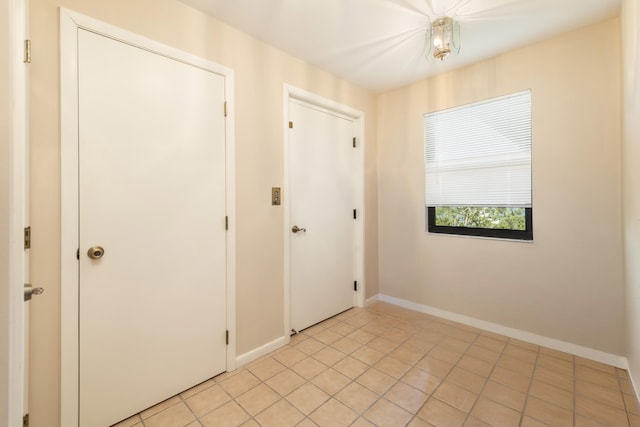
310	380
432	395
526	398
184	401
575	394
398	380
484	385
624	401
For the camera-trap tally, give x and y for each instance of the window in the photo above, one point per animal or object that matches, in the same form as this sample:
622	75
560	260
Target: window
478	168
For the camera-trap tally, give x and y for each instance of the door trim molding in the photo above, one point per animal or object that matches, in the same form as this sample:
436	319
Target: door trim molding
70	23
293	93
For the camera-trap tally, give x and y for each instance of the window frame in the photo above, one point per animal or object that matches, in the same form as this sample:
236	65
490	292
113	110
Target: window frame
469	194
499	233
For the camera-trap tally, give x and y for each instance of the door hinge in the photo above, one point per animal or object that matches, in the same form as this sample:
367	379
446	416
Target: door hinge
27	237
226	222
25	420
354	142
290	125
27	51
355	215
355	285
225	108
226	337
78	253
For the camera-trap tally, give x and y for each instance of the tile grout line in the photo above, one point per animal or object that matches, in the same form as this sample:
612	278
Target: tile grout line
487	379
432	394
425	354
214	409
380	396
528	393
624	401
398	380
234	399
483	385
309	381
306	381
585	380
354	380
182	399
575	390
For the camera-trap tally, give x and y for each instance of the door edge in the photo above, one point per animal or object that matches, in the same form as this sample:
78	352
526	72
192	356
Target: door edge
15	211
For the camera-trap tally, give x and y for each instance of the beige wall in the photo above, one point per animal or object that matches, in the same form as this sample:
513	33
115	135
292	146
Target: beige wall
567	284
260	72
631	177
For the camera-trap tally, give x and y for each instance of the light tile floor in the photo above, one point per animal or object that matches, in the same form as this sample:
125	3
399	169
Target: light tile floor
388	366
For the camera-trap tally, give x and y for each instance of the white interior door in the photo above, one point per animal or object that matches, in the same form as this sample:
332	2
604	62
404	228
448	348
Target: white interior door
152	308
322	162
14	187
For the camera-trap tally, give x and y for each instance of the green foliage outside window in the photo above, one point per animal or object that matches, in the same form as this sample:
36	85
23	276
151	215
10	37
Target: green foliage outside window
481	217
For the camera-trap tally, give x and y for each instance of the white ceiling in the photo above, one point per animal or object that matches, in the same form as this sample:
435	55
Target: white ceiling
379	44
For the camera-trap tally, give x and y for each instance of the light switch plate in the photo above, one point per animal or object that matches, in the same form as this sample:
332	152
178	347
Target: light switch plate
276	196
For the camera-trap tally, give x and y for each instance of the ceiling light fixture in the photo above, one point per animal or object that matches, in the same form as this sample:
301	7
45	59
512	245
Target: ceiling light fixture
443	38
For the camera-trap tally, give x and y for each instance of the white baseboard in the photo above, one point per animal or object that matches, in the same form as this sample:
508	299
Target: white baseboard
258	352
633	383
578	350
371	300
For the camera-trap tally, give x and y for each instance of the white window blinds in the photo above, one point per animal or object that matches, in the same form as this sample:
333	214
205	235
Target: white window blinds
480	154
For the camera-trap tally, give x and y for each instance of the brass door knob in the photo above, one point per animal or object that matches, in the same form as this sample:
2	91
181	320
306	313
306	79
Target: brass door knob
95	252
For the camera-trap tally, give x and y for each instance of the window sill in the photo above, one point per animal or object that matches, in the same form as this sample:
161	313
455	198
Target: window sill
467	236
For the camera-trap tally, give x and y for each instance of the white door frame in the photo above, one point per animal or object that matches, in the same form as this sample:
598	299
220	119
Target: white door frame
291	92
70	23
13	216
